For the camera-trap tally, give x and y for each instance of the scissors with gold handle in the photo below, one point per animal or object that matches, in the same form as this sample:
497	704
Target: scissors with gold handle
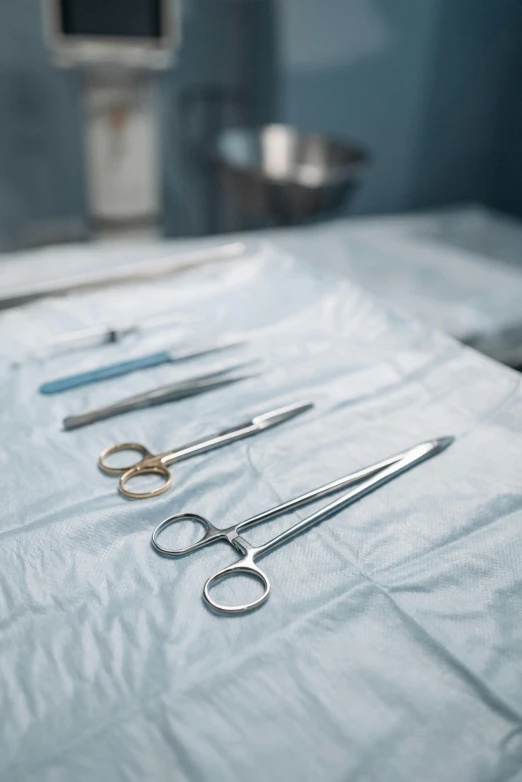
151	464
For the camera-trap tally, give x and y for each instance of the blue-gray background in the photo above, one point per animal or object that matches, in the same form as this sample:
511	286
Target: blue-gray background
432	88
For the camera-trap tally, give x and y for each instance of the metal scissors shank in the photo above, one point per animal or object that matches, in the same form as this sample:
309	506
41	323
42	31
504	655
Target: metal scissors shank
367	479
157	464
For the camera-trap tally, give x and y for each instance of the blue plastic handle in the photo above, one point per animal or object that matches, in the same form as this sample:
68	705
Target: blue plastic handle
104	373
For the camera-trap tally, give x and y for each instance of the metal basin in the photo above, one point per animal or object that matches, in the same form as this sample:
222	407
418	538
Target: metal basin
289	177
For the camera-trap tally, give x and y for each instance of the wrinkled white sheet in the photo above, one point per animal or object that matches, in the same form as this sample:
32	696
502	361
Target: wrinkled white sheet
458	270
390	647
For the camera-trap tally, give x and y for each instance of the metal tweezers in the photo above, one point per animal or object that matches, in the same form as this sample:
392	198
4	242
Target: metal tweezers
158	396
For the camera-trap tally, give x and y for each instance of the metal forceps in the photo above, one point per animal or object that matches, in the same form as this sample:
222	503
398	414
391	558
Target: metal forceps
173	392
158	465
368	479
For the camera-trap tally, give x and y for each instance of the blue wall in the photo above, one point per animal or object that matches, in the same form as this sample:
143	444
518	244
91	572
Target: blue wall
432	86
228	54
472	96
41	168
357	69
226	45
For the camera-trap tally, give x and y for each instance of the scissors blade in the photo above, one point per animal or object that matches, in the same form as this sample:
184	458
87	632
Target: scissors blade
281	414
254	425
441	443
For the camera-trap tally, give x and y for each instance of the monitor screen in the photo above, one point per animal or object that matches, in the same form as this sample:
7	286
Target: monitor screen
111	18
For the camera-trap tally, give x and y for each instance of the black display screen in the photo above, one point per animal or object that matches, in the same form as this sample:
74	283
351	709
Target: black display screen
111	18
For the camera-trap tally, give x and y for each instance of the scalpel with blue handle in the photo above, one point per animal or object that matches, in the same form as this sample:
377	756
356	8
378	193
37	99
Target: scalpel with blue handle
124	367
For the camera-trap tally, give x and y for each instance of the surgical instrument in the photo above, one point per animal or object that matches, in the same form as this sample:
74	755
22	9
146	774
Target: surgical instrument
132	365
175	264
368	479
101	334
158	396
158	464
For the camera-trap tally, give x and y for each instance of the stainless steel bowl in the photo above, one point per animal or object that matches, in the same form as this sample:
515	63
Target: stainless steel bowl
279	173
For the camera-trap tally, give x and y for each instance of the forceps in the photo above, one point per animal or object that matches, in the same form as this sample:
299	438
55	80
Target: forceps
158	396
157	465
369	478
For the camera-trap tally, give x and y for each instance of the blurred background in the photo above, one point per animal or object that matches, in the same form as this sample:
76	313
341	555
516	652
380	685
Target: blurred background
383	141
93	141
